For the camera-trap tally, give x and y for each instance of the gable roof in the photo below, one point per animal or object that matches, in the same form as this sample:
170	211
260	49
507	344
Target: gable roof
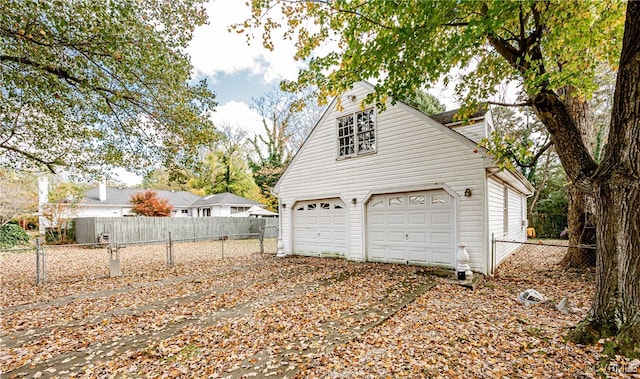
442	121
225	199
118	196
370	87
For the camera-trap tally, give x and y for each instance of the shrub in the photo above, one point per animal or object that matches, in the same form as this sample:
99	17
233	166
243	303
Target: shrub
12	235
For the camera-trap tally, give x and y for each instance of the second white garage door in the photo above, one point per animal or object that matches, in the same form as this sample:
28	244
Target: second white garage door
412	228
320	228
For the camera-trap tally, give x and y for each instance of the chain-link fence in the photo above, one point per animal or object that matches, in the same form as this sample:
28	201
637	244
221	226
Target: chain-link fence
55	264
542	251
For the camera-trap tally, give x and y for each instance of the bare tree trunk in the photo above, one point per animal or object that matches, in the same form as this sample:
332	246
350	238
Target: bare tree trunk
581	227
616	307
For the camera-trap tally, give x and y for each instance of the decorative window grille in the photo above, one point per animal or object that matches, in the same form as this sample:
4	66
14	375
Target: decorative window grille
357	133
396	201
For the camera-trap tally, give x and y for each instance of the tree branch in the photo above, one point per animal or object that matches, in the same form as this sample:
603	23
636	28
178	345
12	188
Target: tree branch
66	75
527	103
50	165
534	160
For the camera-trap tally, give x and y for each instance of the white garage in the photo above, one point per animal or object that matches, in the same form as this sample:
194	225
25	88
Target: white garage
319	227
412	228
414	187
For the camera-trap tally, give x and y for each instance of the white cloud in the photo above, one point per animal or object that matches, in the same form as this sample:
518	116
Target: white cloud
215	50
239	115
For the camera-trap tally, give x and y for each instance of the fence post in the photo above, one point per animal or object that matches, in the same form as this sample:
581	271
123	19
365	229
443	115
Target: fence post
493	254
40	273
170	251
261	237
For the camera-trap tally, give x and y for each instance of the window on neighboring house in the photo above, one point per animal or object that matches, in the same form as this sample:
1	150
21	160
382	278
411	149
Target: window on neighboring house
239	209
184	211
206	212
357	133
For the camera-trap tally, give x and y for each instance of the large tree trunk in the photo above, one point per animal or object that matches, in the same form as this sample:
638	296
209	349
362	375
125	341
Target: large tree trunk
615	185
582	232
616	307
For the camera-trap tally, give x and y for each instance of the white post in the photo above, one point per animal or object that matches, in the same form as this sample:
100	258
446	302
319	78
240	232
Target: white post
462	258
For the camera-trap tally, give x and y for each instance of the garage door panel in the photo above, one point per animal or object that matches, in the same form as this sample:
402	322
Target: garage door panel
418	256
376	219
416	218
397	254
325	220
396	219
339	236
441	238
395	237
378	253
441	257
420	237
441	218
414	227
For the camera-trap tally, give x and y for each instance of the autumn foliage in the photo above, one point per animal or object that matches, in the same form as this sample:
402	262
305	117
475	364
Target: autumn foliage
148	203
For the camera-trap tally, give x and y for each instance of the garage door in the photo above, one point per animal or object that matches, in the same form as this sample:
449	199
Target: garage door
412	228
320	228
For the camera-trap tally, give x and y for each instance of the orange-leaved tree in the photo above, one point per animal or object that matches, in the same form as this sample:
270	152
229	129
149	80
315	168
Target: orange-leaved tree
148	203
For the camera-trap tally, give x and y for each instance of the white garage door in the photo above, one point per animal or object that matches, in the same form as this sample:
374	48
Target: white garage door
320	228
413	228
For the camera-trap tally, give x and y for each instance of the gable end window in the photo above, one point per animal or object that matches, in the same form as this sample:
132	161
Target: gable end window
357	133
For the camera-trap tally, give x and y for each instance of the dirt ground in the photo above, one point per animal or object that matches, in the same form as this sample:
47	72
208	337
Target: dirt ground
255	315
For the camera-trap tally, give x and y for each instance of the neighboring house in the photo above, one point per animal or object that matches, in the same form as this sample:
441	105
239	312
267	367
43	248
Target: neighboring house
398	187
224	205
104	201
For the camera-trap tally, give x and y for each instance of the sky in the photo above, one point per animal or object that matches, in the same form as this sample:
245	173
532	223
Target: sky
238	72
235	71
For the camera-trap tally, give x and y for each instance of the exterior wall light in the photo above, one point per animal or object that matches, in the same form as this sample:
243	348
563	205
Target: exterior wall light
353	201
467	192
284	205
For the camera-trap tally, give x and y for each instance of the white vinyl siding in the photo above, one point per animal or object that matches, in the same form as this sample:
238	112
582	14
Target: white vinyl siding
505	201
413	153
475	131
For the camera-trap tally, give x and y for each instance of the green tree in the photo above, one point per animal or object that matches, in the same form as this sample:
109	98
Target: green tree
548	46
91	84
163	179
424	102
224	168
518	140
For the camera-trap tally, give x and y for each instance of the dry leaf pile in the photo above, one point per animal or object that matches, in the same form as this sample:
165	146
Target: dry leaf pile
260	316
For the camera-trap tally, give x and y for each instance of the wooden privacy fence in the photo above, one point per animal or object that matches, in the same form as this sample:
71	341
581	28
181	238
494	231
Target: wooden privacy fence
123	230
